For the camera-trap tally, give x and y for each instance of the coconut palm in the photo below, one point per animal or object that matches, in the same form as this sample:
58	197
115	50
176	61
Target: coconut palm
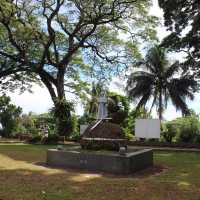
159	82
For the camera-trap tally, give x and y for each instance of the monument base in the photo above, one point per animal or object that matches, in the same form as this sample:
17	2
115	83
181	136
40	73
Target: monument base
110	162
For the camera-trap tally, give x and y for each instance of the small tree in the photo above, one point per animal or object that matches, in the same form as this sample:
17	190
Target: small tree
8	115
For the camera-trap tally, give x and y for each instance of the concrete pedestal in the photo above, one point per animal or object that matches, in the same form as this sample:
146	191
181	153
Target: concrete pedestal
111	162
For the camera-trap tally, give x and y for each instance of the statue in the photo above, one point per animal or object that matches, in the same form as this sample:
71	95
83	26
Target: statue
102	109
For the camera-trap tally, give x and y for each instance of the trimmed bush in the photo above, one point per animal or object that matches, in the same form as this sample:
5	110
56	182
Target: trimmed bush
51	139
35	139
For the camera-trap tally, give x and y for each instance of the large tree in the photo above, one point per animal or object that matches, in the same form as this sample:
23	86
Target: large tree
160	80
182	18
53	38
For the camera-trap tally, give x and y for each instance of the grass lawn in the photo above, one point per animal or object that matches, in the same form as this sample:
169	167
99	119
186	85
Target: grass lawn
23	176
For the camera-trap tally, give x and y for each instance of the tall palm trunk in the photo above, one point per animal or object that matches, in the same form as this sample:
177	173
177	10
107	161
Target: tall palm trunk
160	109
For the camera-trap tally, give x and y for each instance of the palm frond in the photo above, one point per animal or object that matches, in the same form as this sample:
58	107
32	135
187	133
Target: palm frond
156	58
184	87
145	98
178	102
175	67
138	84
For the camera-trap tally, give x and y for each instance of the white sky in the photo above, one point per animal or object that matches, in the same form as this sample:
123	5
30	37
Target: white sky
40	101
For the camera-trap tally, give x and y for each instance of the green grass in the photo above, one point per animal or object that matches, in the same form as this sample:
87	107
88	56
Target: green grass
23	175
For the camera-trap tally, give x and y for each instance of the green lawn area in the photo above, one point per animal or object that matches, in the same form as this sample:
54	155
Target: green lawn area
23	176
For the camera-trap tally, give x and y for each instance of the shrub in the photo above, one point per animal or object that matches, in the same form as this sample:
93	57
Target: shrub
184	129
35	139
128	134
197	139
51	139
189	129
75	136
2	132
20	129
187	134
170	131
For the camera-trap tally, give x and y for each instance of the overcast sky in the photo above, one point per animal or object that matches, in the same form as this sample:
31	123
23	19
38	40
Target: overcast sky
40	101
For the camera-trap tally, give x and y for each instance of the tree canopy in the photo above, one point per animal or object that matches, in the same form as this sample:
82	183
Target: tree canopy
182	18
48	37
64	41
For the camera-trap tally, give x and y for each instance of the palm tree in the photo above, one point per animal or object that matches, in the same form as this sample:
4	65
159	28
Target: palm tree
161	81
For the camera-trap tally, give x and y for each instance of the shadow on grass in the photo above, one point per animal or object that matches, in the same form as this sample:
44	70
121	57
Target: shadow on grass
151	171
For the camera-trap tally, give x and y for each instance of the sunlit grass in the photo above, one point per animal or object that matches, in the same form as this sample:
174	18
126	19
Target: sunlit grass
24	176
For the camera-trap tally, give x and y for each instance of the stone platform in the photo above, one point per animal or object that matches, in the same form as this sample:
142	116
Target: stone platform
110	162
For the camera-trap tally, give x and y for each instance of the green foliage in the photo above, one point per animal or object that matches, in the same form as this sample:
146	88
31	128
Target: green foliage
27	124
35	139
118	107
170	131
66	123
75	133
85	119
19	129
51	139
185	129
45	119
182	18
9	114
189	129
159	81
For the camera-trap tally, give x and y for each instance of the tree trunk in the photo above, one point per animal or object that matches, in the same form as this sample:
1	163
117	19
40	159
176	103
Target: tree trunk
62	111
62	107
63	118
160	109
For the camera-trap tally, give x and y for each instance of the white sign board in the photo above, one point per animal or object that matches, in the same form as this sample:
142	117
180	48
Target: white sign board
83	128
147	128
